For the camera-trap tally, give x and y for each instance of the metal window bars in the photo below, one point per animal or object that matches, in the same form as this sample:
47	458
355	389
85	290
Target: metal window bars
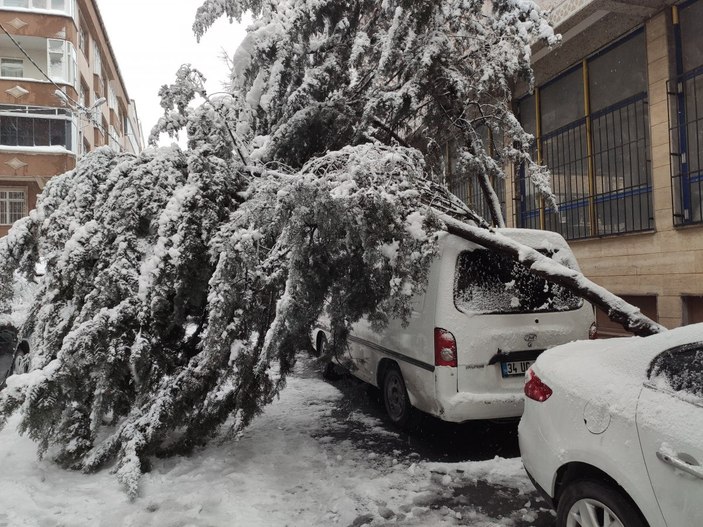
601	174
686	133
468	190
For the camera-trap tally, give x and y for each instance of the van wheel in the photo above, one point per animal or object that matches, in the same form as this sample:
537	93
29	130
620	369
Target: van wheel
325	366
395	397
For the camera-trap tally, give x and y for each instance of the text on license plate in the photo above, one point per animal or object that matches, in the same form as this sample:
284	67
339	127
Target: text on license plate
514	368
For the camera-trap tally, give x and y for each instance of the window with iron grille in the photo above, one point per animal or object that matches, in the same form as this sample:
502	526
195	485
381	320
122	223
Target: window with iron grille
465	185
13	205
467	189
529	206
686	116
591	129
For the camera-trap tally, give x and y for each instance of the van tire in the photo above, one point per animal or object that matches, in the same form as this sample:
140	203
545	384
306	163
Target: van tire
395	397
327	369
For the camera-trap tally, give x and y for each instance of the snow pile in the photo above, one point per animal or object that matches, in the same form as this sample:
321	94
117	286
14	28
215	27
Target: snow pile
283	470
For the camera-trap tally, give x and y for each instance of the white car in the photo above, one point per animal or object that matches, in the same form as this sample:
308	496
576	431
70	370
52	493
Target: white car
612	431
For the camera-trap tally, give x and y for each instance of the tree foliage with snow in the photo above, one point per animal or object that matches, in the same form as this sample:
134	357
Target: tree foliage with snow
316	76
177	291
179	285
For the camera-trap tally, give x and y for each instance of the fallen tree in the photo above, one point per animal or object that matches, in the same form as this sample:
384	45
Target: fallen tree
180	285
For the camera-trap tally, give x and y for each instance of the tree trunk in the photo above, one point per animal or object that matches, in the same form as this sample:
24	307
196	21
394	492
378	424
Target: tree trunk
617	309
492	200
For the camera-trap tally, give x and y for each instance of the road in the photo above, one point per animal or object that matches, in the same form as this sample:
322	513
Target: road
432	440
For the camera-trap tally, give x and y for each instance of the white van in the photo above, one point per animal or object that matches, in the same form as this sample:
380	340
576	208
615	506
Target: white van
472	336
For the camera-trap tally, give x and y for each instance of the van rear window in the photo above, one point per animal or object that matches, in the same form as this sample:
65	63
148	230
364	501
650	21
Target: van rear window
490	283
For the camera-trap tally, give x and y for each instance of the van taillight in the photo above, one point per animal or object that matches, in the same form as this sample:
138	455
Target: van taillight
444	348
535	389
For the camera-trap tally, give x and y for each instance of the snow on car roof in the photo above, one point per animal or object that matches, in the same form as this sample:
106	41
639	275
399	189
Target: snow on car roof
552	242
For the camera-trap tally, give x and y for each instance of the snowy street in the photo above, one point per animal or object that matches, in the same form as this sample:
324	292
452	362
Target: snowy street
321	455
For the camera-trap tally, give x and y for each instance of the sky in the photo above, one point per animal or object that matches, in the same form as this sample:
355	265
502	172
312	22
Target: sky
153	38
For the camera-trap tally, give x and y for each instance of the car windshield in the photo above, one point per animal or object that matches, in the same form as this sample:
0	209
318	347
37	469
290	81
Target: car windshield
490	283
679	370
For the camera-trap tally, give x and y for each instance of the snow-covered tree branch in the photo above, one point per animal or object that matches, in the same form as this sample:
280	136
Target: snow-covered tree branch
617	309
168	305
314	77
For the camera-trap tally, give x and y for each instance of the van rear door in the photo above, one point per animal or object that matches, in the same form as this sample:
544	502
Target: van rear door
508	317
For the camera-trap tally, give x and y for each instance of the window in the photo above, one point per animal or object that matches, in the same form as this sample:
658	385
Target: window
113	139
82	41
529	204
595	142
686	110
679	370
490	283
50	129
111	98
131	136
690	16
64	6
97	60
463	181
13	205
558	109
27	131
61	56
11	68
83	91
607	328
466	187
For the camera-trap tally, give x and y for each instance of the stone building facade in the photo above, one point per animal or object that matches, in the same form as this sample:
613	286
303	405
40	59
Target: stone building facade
617	114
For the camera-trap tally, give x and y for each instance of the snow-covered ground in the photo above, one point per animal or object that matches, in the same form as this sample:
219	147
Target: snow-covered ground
297	465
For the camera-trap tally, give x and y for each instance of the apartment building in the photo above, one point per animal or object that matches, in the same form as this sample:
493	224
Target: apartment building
617	114
45	46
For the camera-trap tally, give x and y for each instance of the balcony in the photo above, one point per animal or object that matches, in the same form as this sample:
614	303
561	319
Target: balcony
54	7
47	57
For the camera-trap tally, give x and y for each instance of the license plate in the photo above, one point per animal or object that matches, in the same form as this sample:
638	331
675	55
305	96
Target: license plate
515	368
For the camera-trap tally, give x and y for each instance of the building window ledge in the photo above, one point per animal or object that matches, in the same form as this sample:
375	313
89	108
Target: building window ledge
615	235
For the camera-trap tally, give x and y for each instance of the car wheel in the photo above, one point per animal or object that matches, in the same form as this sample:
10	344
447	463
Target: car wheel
324	364
591	503
395	397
